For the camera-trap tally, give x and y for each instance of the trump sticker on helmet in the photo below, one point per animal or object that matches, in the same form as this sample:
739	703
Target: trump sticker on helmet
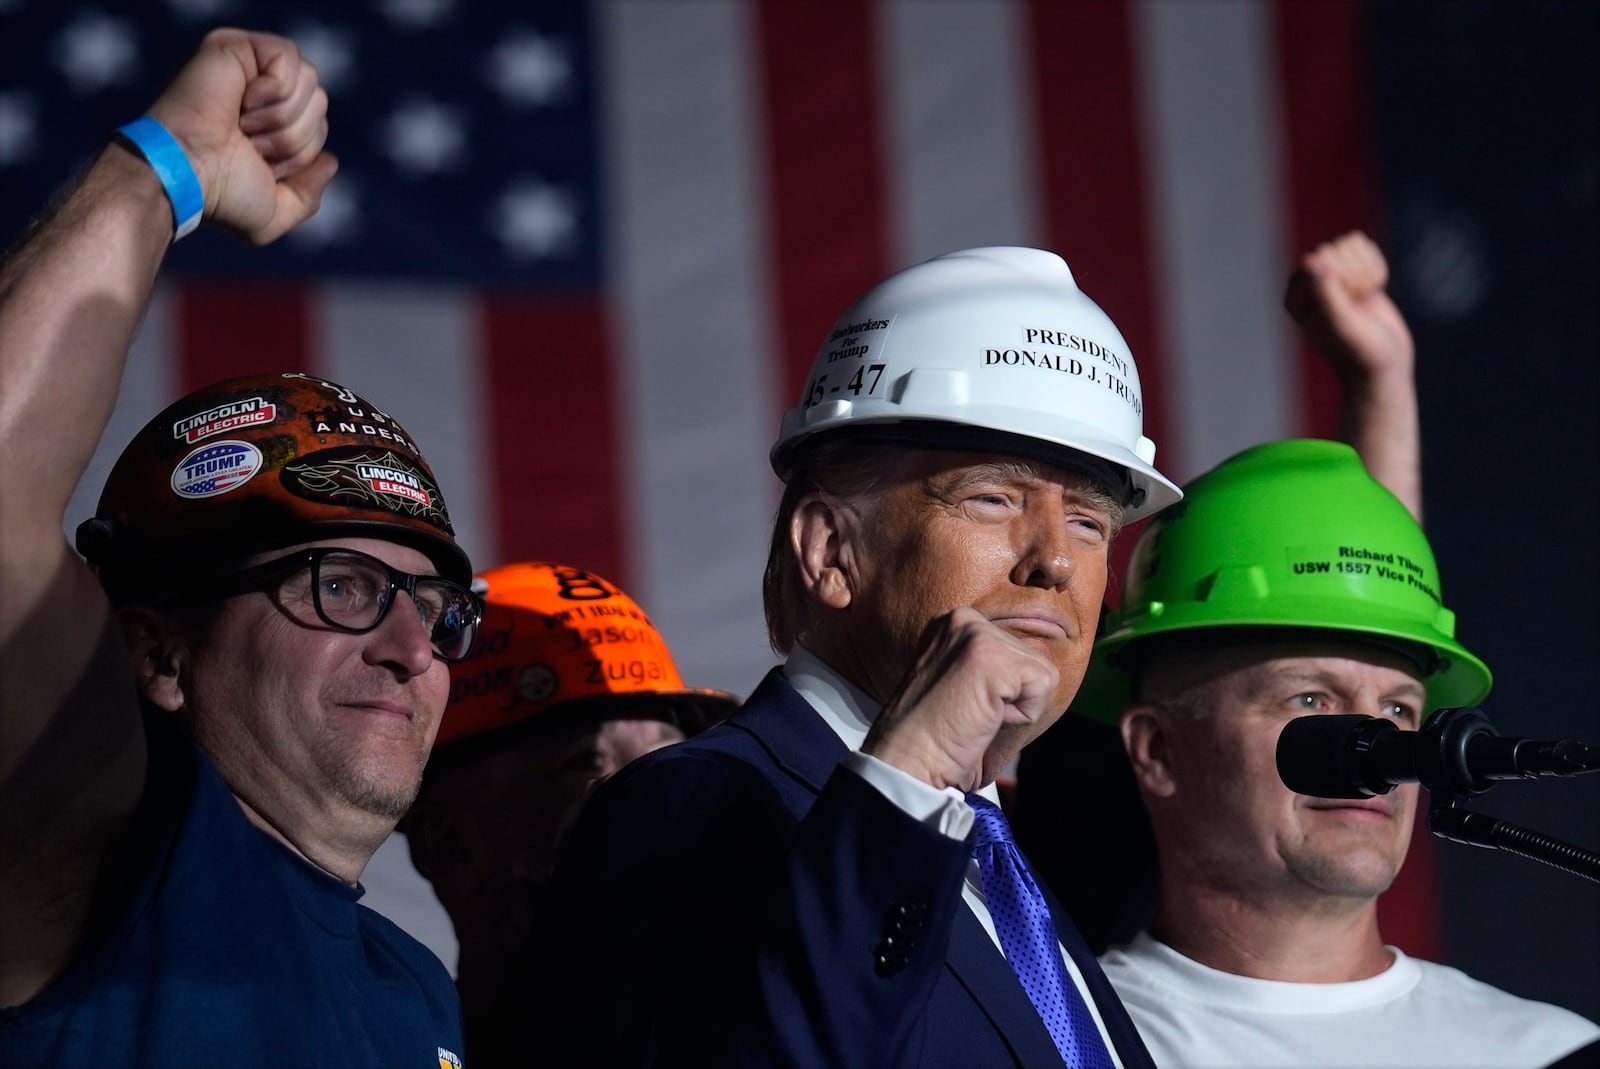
847	367
215	469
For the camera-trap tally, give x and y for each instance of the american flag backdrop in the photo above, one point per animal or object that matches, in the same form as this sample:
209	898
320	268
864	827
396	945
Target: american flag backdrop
585	251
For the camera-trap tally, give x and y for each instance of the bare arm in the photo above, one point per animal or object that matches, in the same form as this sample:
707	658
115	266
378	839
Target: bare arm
1337	297
252	122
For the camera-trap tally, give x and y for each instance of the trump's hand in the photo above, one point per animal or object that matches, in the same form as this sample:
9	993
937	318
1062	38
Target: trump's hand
970	680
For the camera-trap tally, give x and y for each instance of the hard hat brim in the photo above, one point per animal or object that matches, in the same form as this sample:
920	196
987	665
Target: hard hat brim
1460	678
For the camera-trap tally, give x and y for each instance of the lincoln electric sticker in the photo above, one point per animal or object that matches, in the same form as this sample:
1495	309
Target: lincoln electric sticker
366	478
228	416
395	481
215	469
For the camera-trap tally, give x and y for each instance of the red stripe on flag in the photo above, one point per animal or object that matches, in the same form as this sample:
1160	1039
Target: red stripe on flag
552	436
1093	186
1327	134
224	330
825	174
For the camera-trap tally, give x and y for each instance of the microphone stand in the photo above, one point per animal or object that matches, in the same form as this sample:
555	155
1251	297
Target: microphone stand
1449	781
1448	820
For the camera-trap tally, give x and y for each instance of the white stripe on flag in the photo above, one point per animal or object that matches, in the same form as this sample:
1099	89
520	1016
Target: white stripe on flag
694	331
149	384
1210	128
957	156
416	348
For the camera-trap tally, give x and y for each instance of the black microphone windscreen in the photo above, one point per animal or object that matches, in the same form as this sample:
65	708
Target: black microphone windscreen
1317	755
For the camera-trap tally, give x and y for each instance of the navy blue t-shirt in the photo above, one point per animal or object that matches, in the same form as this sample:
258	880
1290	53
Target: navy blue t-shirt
226	949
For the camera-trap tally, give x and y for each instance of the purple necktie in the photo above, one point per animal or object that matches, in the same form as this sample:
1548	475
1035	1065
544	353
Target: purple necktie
1028	938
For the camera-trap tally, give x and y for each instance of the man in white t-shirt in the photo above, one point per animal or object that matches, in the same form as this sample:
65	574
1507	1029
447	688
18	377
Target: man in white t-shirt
1289	583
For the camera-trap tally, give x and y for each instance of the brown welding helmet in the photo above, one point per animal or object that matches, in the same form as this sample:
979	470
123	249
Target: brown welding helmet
254	464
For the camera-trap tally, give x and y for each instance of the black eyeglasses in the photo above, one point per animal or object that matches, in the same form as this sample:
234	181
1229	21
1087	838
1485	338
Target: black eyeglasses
351	591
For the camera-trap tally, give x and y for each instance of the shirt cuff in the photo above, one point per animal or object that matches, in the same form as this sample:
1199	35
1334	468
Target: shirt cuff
944	809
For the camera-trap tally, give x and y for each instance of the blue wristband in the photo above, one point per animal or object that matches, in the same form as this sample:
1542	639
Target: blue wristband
165	156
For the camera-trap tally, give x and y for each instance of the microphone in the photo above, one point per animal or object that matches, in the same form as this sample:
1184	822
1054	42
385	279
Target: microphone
1457	751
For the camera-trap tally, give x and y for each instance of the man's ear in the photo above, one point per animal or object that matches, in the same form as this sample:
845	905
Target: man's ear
1148	741
156	656
822	536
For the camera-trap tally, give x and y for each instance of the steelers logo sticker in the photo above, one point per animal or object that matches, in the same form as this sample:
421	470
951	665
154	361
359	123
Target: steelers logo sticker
537	683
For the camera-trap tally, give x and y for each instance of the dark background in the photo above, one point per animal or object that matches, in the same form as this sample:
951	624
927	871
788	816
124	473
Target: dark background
1488	125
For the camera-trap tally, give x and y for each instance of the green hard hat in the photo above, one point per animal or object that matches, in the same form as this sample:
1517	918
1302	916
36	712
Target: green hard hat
1291	534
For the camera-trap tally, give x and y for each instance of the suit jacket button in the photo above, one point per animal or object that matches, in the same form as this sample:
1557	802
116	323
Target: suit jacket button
913	911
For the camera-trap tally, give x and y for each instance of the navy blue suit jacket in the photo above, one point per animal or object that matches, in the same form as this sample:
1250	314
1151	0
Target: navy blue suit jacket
738	900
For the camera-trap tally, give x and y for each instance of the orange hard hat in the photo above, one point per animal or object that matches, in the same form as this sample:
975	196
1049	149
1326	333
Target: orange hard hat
554	635
259	463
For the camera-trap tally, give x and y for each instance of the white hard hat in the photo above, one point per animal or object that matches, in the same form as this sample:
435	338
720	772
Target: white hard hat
992	349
